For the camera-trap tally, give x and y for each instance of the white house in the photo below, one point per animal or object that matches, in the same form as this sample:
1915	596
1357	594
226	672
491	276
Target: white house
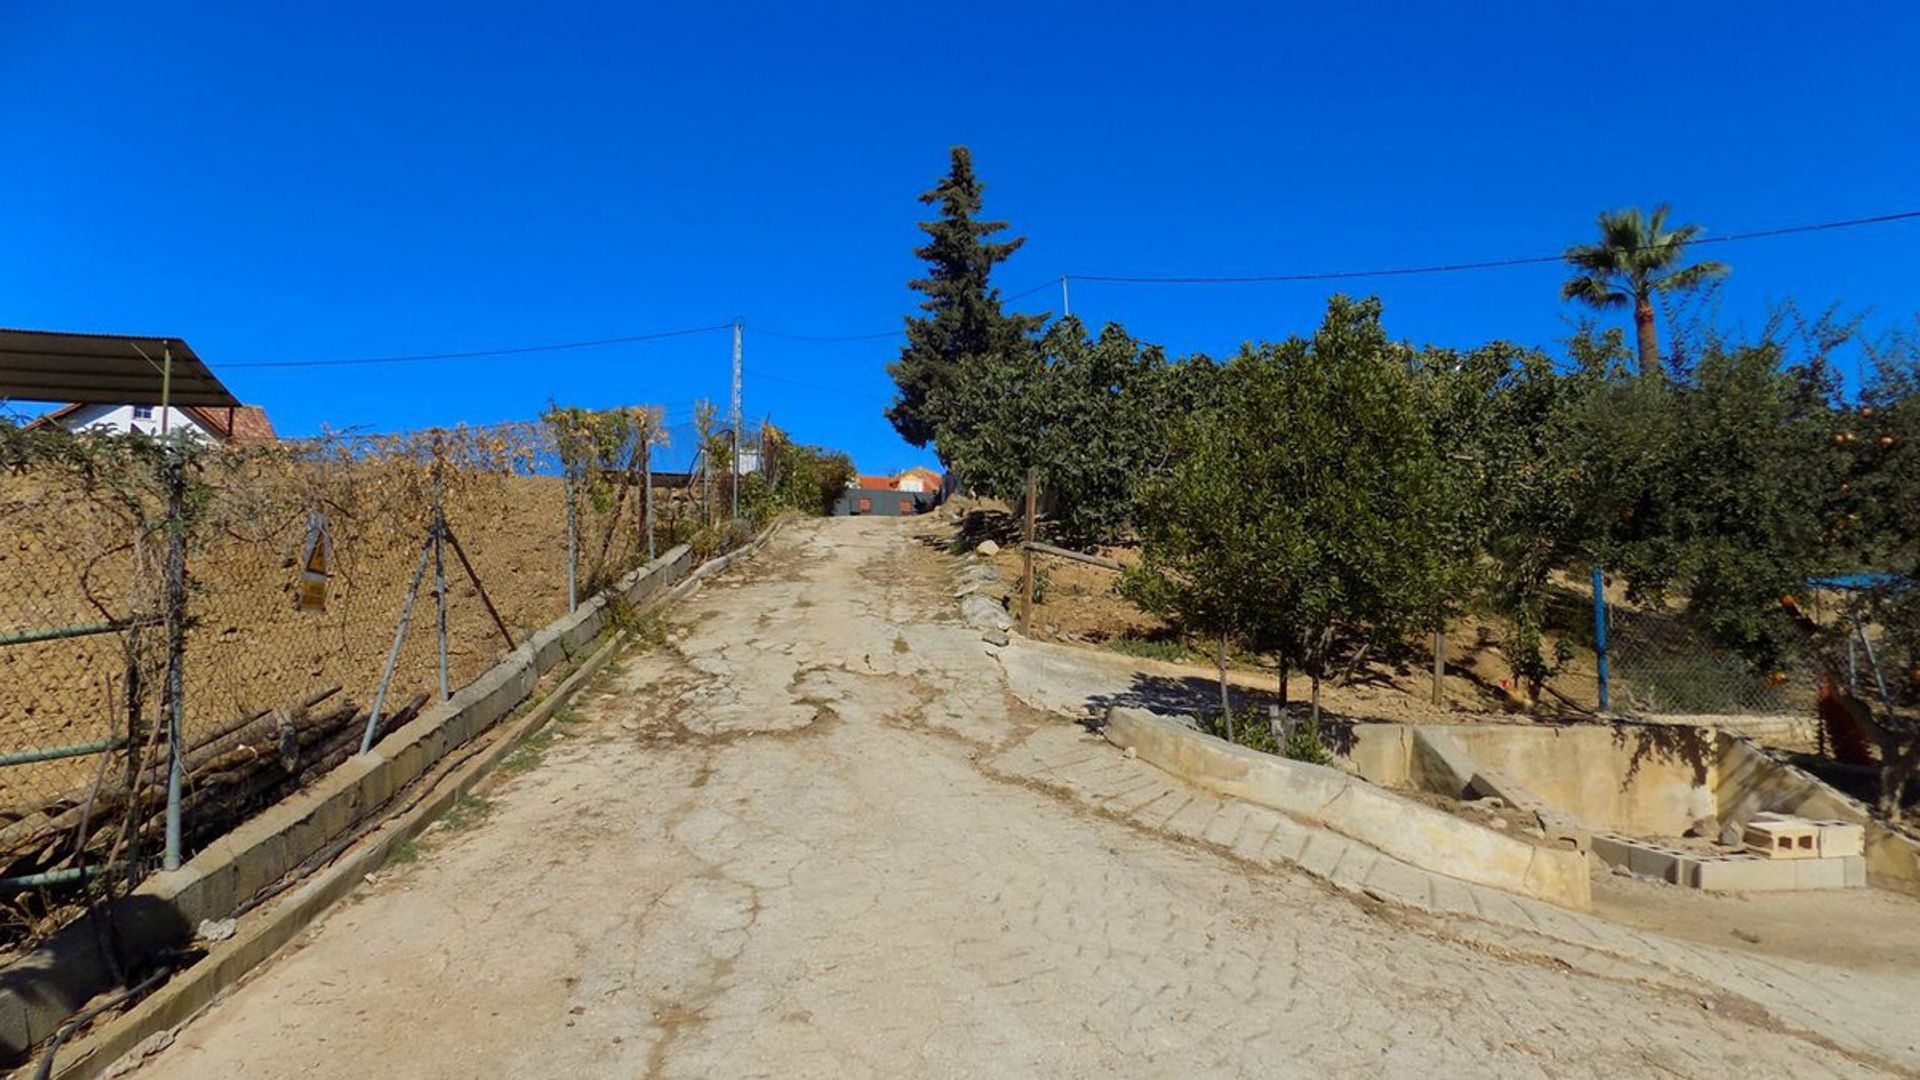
244	424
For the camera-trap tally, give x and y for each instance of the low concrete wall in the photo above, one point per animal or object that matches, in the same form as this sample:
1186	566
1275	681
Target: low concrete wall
41	990
1415	834
1749	781
1638	779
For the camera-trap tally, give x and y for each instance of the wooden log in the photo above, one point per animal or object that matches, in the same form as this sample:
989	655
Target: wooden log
1100	561
30	831
211	809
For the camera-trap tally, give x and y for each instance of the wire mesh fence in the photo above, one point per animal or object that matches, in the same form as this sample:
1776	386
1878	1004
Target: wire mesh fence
1660	665
256	594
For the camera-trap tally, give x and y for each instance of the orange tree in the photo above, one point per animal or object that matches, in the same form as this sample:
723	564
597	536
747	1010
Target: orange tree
1309	512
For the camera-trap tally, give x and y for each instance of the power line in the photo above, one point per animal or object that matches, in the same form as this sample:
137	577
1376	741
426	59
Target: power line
414	358
1334	275
1488	264
1047	284
824	337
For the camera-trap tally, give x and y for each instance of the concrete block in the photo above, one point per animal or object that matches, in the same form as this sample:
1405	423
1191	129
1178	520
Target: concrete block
1660	864
1854	869
1820	873
1743	873
1613	849
1839	839
1782	838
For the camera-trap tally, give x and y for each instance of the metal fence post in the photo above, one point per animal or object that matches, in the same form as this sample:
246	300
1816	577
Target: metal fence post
176	647
440	593
1600	633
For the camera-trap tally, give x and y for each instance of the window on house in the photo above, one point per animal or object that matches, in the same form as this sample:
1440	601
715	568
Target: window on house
143	412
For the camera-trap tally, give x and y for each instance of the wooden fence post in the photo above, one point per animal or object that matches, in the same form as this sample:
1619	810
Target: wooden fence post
1026	554
1439	666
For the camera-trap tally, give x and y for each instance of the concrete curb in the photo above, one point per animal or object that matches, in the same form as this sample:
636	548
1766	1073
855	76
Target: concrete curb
1414	834
39	992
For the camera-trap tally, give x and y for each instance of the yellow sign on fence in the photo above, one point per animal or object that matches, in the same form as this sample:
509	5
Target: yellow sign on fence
316	565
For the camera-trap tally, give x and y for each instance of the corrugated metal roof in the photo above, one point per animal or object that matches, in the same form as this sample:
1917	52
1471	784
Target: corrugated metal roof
103	369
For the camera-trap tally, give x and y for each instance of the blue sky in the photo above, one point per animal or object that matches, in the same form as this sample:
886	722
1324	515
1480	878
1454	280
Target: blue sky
284	182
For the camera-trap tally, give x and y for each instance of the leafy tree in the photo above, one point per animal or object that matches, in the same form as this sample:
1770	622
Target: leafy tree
792	476
1879	519
1308	511
604	455
1098	431
1636	257
1747	481
954	352
1503	419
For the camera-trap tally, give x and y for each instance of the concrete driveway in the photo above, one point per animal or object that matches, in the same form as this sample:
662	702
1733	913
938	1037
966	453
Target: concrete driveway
780	845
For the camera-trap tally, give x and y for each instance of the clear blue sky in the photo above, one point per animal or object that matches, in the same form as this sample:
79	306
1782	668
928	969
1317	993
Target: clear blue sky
278	182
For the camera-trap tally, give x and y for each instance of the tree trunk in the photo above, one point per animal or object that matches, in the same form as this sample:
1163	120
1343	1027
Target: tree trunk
1226	702
1648	342
1286	669
1313	716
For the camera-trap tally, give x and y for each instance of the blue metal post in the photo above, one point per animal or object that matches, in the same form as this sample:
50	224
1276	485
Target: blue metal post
1600	633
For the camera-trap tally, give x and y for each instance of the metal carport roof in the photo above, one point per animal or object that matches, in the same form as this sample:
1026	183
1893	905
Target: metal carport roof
104	369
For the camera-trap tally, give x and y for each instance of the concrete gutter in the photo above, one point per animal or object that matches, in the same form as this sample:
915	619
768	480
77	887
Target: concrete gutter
41	990
1421	836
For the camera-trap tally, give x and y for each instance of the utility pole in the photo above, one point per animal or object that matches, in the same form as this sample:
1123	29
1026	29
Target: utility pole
1066	301
736	419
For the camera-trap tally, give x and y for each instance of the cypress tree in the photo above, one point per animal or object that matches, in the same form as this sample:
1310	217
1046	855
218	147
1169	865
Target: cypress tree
964	337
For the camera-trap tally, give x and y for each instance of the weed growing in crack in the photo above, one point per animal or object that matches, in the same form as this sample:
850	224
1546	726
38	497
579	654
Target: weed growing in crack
467	810
529	754
404	853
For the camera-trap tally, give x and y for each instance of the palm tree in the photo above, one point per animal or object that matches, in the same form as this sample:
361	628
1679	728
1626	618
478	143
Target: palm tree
1636	257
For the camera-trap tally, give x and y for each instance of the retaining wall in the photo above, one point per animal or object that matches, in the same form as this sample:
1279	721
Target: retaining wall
42	989
1639	779
1414	834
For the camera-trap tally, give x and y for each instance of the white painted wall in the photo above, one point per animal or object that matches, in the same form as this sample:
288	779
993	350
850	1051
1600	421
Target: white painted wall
121	419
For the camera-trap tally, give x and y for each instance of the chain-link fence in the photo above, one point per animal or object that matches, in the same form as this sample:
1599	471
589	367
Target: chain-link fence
282	601
1610	653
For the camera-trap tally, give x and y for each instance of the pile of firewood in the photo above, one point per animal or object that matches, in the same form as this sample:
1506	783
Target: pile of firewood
230	774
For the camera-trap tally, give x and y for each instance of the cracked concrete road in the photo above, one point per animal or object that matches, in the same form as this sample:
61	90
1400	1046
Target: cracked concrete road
779	845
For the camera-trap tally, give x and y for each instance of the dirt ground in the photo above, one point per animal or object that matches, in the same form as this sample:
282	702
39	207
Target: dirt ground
776	846
1863	930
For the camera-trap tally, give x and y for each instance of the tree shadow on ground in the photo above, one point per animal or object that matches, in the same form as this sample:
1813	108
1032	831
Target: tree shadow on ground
976	526
1194	696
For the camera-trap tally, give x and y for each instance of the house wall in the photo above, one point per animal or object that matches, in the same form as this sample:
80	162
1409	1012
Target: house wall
120	419
879	503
